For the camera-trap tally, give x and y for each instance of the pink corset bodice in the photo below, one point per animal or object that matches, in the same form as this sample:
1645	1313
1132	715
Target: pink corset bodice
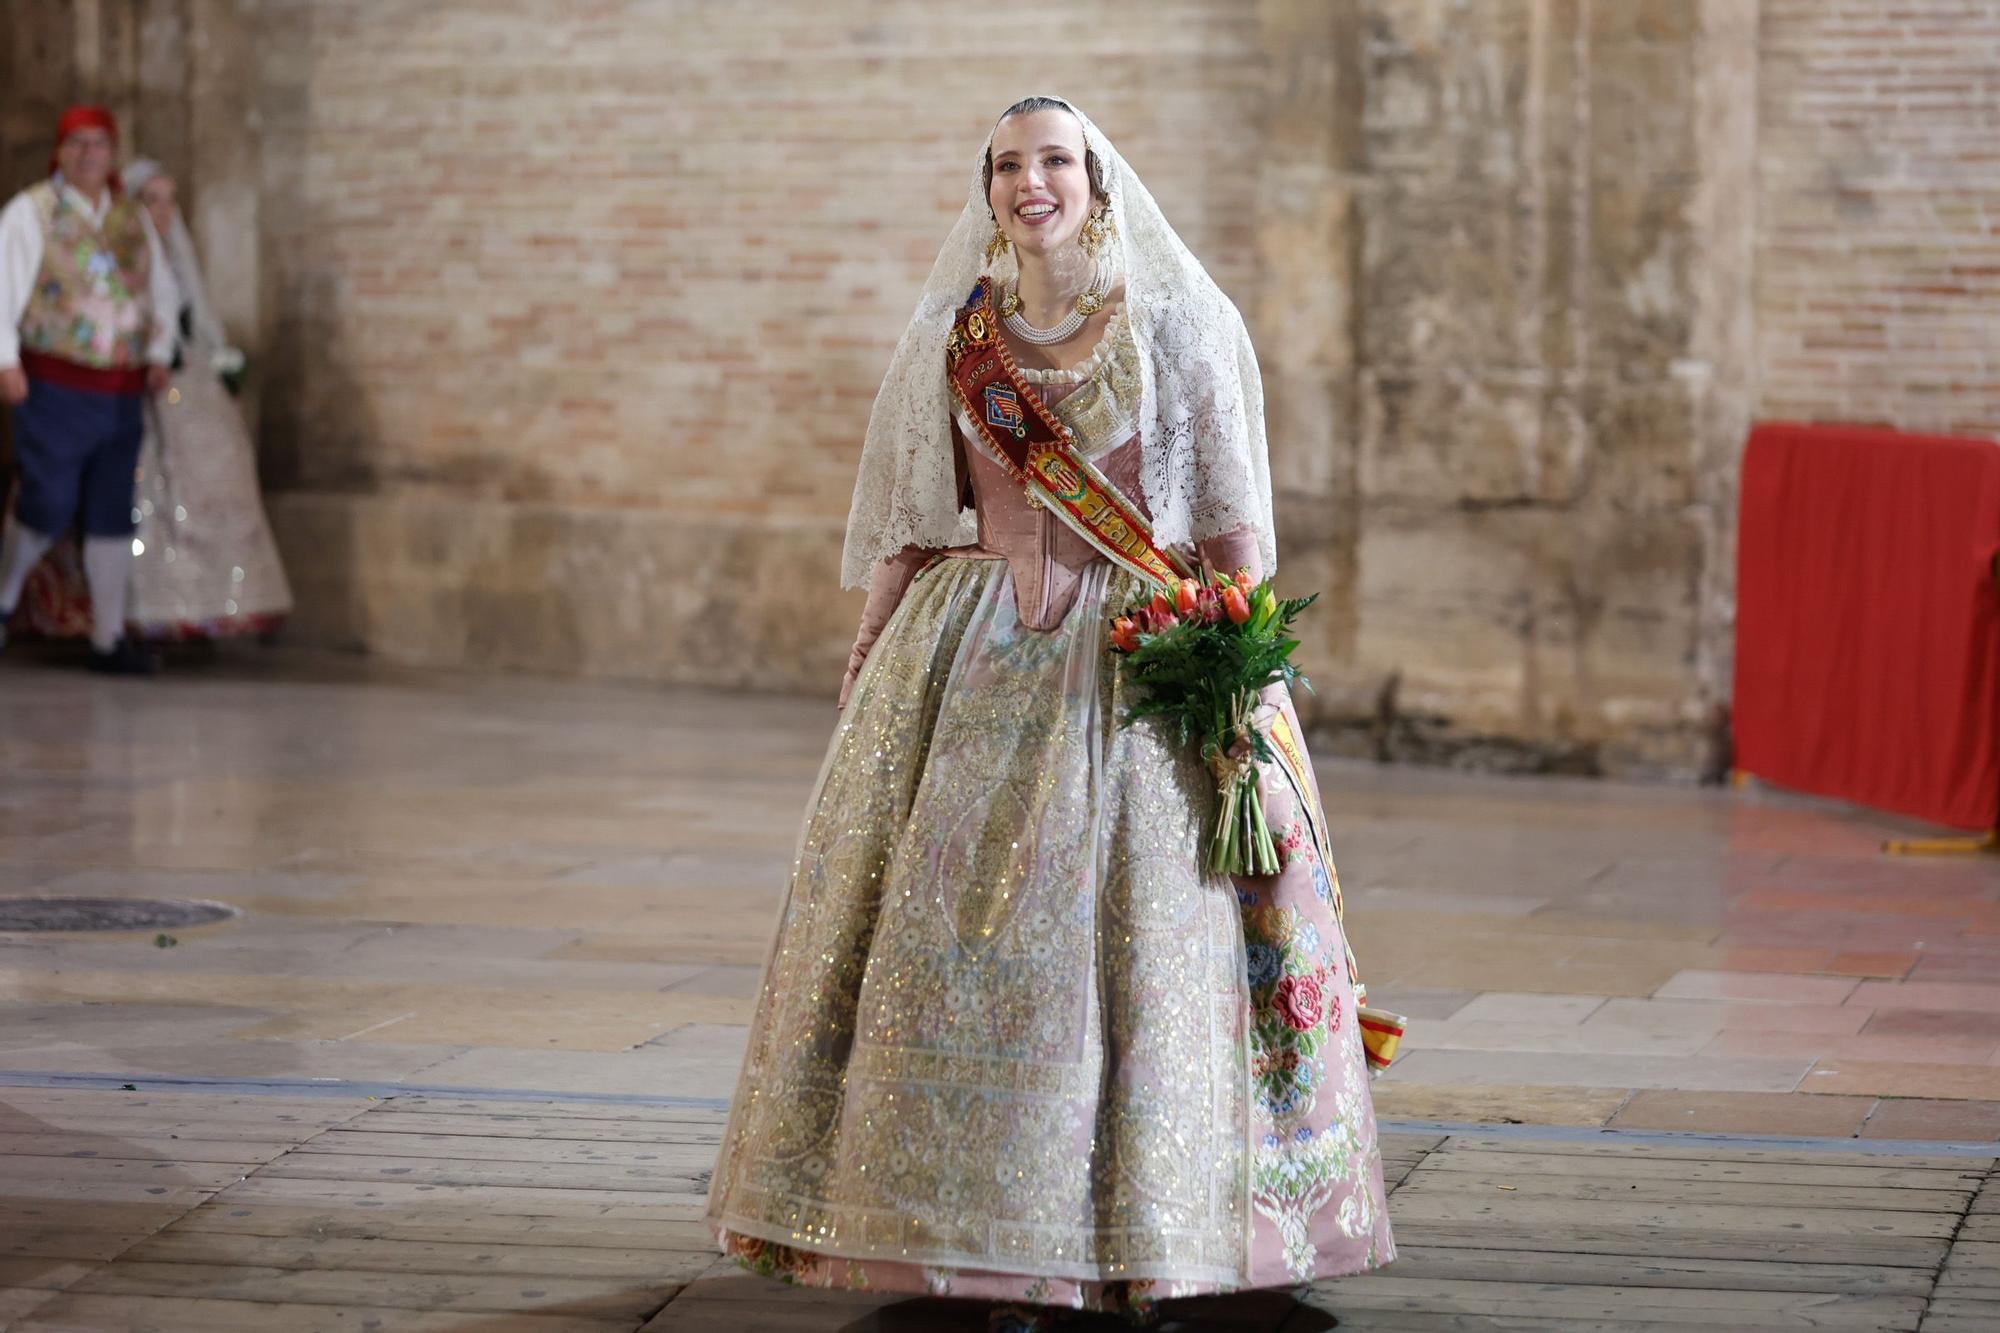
1044	556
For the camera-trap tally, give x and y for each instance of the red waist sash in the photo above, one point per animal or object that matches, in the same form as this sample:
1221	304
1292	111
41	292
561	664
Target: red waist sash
42	366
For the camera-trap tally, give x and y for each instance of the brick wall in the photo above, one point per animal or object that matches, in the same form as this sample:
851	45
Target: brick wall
1878	285
648	255
566	302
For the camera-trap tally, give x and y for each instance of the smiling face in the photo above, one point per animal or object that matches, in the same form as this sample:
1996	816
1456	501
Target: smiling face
1040	192
84	158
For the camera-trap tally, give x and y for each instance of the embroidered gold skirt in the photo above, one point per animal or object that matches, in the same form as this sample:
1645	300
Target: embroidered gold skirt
1013	1042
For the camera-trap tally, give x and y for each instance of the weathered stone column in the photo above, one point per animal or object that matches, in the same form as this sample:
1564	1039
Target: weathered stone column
224	165
38	70
1724	342
1304	318
1550	367
161	85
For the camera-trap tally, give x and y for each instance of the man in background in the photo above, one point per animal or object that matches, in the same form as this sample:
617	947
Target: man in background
86	332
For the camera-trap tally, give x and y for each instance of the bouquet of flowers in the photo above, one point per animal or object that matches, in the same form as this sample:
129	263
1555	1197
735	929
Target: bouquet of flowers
1201	654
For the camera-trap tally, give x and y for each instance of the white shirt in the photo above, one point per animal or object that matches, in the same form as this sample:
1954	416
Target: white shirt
21	261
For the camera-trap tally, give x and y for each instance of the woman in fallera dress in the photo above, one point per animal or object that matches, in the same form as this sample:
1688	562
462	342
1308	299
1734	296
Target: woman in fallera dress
205	565
1014	1044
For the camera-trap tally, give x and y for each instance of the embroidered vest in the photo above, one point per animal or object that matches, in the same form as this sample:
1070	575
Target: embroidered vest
91	302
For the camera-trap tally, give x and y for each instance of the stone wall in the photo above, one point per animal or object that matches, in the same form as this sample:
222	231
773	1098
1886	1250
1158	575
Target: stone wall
567	319
1546	199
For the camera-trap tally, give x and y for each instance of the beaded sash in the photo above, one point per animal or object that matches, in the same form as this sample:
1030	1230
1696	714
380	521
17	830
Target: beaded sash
1039	450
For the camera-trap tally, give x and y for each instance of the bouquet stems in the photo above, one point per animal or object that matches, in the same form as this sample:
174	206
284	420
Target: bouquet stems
1241	842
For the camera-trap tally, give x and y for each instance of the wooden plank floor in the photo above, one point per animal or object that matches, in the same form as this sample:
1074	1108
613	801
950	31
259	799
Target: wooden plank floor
128	1211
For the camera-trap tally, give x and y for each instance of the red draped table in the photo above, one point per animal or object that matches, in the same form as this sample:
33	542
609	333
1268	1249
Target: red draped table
1867	621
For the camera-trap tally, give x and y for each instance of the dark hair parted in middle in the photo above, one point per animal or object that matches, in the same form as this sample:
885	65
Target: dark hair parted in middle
1031	104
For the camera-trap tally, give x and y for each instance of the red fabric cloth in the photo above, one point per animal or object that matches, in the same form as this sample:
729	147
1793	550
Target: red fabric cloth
1868	623
55	601
41	366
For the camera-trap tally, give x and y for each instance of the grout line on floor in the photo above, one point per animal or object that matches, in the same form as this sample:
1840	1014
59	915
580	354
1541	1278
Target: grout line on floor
1957	1233
377	1027
333	1087
1660	1138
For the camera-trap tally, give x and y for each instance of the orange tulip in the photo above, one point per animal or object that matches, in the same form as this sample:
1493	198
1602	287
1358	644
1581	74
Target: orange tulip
1236	605
1160	606
1186	594
1244	581
1124	635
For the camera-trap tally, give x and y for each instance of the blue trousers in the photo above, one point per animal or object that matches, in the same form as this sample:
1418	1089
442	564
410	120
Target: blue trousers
78	452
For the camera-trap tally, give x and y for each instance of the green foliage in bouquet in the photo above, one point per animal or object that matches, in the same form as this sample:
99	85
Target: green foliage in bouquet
1199	656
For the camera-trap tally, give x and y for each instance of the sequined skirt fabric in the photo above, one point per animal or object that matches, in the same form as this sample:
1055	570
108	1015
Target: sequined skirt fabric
206	563
1008	1026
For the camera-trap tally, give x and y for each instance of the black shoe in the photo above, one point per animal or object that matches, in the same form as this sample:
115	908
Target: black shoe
128	657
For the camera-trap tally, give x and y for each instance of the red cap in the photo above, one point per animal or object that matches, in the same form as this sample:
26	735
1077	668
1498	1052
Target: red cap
83	118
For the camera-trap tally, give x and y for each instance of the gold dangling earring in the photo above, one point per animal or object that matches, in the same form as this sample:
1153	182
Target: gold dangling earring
1010	300
1092	236
1096	230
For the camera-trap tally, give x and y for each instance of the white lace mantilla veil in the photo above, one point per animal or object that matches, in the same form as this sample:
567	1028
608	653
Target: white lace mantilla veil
179	248
1204	464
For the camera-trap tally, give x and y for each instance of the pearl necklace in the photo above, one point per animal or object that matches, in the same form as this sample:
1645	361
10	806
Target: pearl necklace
1088	303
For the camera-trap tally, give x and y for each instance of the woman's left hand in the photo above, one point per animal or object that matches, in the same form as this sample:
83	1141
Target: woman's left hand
1271	701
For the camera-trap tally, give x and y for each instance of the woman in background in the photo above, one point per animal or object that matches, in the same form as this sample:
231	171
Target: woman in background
206	566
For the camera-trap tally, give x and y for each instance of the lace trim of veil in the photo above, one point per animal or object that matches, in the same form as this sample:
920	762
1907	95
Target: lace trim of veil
1204	467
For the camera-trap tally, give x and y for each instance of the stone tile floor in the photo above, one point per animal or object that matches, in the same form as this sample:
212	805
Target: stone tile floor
211	1212
566	888
546	885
